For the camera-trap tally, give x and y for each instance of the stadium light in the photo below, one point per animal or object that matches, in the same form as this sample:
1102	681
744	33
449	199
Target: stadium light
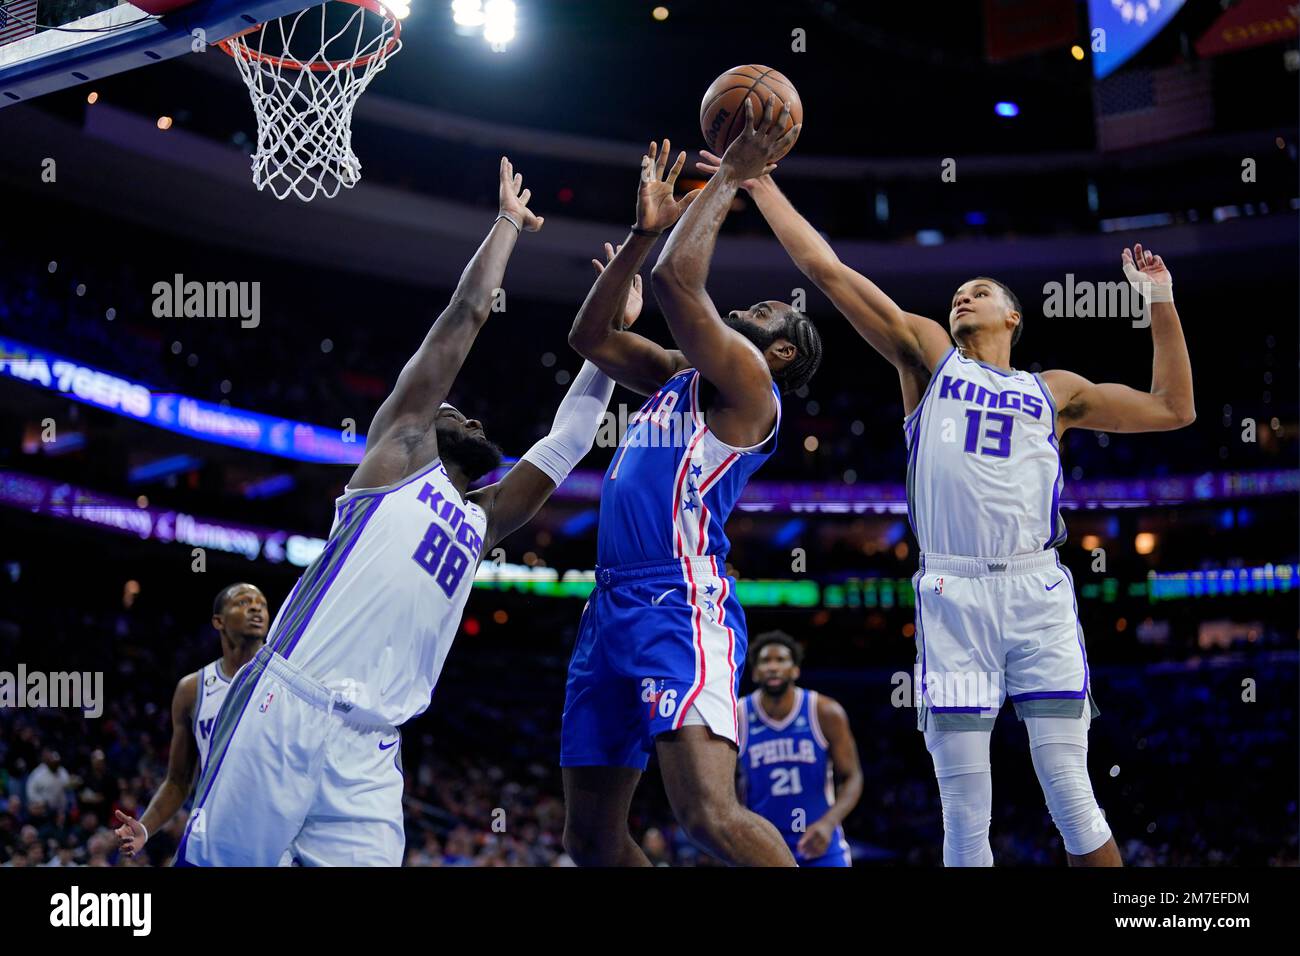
499	23
467	13
398	8
1006	108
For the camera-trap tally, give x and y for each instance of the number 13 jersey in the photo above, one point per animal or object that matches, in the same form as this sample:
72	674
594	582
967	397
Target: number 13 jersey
375	614
984	464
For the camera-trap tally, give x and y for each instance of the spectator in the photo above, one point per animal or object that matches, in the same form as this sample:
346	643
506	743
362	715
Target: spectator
49	783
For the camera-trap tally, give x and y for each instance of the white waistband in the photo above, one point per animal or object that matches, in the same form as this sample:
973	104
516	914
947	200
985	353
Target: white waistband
317	694
986	567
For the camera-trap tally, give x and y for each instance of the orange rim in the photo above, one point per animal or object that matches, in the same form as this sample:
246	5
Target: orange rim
228	45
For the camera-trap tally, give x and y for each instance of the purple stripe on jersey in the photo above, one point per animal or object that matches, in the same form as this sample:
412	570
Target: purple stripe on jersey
343	558
913	455
1054	509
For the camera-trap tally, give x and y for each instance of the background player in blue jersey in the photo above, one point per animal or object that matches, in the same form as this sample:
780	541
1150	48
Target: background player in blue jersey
795	745
662	641
241	617
993	600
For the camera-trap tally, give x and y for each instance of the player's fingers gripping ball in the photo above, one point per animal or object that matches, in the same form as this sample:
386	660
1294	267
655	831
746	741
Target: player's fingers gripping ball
722	111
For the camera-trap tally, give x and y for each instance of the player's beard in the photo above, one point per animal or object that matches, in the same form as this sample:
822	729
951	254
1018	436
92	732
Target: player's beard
760	336
774	690
474	456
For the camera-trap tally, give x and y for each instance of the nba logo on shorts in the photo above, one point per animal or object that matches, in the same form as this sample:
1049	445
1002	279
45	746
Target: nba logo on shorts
266	703
938	586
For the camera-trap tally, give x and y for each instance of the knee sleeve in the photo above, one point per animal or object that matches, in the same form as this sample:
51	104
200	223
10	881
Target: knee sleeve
1059	748
961	762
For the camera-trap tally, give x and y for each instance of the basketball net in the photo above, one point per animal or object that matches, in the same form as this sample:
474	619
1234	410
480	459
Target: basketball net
305	73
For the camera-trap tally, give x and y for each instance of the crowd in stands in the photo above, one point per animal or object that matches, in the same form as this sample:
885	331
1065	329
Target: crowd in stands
1189	768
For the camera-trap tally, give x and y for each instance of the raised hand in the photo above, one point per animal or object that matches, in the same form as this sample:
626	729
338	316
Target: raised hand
755	150
632	307
1150	265
513	199
711	162
656	208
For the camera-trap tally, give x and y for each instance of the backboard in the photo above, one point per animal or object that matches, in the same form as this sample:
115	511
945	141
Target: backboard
83	40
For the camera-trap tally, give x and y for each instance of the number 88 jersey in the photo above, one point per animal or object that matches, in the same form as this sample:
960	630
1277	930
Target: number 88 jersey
983	463
375	614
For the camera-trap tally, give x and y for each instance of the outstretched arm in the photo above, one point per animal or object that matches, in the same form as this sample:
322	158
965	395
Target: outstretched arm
512	501
912	343
723	356
599	331
1110	407
182	761
405	419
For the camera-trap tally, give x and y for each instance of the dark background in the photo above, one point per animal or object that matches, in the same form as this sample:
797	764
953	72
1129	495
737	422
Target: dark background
1186	770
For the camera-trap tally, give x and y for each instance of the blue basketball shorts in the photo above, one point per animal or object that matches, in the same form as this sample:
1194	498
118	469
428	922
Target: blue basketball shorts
660	646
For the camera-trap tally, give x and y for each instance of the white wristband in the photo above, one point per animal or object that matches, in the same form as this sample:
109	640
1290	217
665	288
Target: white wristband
507	219
1151	291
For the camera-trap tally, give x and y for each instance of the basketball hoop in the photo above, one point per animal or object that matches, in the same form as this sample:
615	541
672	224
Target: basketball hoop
304	73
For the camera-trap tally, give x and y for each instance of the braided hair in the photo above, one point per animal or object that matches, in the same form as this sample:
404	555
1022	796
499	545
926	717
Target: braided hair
803	335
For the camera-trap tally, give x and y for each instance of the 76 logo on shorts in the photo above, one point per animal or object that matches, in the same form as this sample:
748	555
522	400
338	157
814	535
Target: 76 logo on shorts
664	702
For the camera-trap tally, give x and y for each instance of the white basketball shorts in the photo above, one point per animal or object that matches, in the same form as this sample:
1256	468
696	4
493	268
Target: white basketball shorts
288	772
988	629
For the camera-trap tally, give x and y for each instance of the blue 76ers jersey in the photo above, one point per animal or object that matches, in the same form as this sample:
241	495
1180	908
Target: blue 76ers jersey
788	777
983	464
673	483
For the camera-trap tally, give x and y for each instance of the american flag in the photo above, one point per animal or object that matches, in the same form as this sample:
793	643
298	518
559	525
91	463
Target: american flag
1137	107
12	15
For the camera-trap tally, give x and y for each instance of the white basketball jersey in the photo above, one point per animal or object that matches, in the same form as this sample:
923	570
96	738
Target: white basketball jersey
984	465
375	614
213	684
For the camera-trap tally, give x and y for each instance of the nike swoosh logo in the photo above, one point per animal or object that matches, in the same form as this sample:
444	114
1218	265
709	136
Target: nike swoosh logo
655	601
382	746
1048	588
211	692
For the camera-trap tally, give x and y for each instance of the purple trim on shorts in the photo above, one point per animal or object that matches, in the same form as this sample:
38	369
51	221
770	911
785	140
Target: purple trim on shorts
920	625
198	804
1078	625
1050	695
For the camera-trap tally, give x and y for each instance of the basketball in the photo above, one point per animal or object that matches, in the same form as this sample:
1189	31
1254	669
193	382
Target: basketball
722	111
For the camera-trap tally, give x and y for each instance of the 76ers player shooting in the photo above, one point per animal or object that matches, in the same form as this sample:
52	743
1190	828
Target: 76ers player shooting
305	754
662	639
993	600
